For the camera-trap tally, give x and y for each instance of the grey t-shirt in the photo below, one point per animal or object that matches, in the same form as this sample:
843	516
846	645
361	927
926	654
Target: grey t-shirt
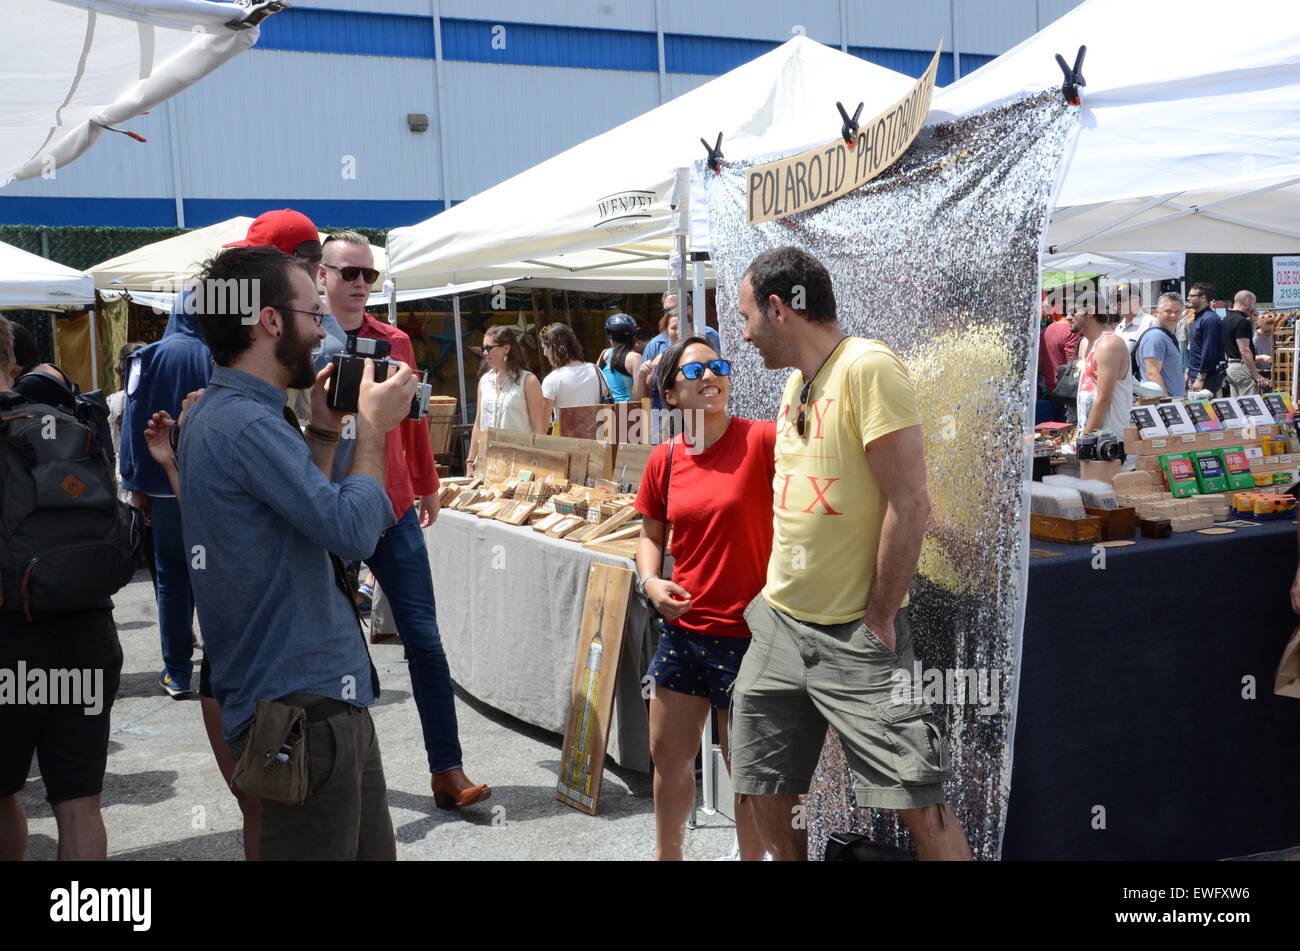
1155	343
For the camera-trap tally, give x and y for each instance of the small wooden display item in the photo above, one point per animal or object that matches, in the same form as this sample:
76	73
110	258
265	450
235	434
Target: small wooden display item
503	462
548	522
1069	531
1116	524
465	499
565	525
491	508
622	542
582	534
614	522
630	463
516	512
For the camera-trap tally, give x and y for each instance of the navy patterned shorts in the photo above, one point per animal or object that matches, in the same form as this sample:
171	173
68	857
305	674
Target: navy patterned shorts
696	664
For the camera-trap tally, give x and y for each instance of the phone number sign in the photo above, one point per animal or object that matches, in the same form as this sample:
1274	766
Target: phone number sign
1286	282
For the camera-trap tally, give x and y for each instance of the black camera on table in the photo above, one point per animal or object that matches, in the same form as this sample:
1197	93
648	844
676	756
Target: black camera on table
1103	446
345	385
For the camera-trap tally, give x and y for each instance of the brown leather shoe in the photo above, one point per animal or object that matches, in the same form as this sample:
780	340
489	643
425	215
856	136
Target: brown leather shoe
447	794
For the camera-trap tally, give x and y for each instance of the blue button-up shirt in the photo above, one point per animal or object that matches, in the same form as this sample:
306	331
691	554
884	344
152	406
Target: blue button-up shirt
274	618
1206	344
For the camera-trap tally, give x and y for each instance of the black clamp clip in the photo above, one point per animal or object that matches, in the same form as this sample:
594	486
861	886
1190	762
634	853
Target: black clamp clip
259	10
1073	77
850	128
714	160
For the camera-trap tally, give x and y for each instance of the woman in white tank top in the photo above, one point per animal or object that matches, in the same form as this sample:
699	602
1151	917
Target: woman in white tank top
509	395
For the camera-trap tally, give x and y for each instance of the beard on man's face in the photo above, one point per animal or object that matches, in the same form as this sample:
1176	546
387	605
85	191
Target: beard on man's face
293	351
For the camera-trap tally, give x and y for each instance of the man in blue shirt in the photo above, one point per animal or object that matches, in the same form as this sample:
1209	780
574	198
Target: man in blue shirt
1157	357
1206	367
261	520
158	378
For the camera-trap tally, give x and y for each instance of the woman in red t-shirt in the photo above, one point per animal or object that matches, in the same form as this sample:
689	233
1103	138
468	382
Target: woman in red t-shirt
713	484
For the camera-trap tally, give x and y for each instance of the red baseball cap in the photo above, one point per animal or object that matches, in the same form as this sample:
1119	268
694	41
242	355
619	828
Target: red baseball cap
285	229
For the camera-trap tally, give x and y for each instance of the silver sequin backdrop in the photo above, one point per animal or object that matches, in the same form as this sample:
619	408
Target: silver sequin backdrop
939	258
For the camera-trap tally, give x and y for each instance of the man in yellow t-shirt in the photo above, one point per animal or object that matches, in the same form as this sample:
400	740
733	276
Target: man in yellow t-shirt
830	627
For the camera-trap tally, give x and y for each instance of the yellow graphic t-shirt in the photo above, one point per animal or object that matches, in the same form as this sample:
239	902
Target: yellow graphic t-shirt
827	505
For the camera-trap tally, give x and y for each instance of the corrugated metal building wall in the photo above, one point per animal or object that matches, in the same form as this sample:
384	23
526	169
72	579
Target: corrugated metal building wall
315	115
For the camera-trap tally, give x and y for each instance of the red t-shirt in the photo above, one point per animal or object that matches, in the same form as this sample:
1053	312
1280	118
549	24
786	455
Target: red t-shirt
720	507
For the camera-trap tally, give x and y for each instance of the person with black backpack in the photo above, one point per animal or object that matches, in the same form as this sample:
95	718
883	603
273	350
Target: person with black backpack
1156	356
69	545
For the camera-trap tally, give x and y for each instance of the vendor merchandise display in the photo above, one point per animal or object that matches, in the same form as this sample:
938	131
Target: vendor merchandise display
597	513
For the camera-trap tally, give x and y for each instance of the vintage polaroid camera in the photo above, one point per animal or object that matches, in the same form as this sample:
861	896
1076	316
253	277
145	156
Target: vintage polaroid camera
1101	446
345	385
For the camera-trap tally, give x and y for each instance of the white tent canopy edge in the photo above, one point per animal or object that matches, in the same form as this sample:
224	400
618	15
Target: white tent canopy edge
76	67
613	194
1198	151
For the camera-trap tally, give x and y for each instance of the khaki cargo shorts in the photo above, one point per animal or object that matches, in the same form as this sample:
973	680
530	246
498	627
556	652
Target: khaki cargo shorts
798	677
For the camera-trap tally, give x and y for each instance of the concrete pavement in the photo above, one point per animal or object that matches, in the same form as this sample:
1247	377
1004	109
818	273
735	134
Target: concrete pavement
164	798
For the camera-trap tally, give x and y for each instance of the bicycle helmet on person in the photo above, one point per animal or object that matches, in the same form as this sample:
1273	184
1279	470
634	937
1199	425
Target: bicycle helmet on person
620	327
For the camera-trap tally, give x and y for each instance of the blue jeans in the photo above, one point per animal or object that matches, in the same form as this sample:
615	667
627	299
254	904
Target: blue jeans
401	566
175	600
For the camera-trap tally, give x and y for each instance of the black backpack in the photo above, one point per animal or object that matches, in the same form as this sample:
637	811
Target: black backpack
67	542
1135	367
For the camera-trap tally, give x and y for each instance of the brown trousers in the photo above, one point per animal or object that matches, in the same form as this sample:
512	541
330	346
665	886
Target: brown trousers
345	815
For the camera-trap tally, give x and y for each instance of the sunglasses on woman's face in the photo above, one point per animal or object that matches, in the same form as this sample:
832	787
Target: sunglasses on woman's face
693	371
489	347
352	273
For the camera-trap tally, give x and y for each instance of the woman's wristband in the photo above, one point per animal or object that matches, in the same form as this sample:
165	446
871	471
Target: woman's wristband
324	435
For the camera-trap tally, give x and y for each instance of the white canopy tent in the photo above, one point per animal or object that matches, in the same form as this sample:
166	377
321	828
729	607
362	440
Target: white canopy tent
641	268
72	68
153	273
599	217
1187	137
1131	266
29	281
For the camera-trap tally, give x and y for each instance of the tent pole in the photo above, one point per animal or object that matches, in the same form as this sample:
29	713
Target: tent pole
699	298
681	225
460	358
391	289
94	349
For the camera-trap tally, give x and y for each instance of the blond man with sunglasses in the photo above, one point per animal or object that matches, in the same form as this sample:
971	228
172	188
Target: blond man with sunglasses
400	562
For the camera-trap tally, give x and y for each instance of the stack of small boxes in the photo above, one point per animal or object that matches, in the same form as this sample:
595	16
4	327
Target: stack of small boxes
1155	505
1266	459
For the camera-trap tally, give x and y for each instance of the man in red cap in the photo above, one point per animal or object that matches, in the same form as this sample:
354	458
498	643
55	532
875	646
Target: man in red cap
293	233
290	231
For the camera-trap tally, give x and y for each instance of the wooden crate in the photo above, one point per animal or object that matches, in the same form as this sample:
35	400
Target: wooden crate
1069	531
1116	524
441	419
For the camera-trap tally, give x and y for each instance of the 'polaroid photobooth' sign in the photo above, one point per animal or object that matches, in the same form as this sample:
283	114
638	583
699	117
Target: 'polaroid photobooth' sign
824	173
